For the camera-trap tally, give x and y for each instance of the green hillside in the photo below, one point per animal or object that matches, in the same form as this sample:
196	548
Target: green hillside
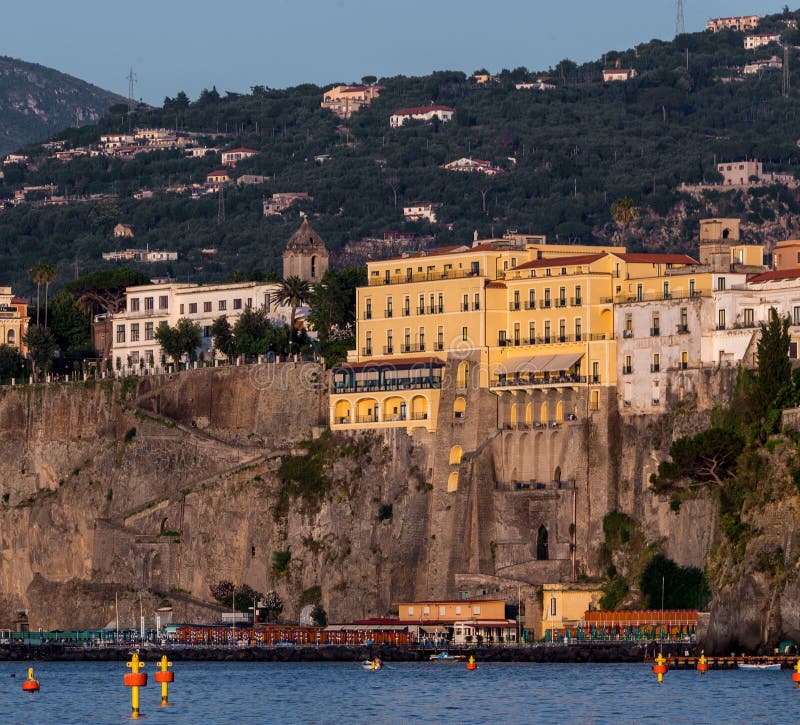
568	154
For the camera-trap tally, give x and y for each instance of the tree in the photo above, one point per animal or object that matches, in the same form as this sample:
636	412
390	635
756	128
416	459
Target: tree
774	366
253	332
48	275
624	213
104	290
222	335
683	587
273	606
70	325
11	364
182	339
369	80
709	457
332	315
41	344
36	274
394	185
295	292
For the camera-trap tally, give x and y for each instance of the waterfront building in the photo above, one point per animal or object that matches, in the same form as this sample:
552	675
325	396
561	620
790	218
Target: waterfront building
461	620
564	605
13	319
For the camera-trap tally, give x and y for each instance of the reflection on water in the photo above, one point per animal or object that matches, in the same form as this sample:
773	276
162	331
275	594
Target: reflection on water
219	692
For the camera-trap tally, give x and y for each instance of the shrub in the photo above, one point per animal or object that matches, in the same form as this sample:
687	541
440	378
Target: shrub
683	587
280	562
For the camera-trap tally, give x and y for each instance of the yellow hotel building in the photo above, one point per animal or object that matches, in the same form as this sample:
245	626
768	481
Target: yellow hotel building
504	315
13	319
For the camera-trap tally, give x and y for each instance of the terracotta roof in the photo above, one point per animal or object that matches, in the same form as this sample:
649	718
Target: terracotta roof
393	362
775	275
788	243
641	258
242	150
218	173
562	261
421	109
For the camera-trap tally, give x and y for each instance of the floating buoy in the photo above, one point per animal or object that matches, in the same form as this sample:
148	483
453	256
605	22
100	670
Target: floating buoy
31	684
164	677
660	668
702	664
471	663
135	679
796	674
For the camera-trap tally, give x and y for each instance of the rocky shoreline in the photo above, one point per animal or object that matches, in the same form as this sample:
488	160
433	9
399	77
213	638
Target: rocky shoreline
597	653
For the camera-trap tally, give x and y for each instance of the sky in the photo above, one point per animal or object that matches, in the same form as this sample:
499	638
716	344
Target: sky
189	45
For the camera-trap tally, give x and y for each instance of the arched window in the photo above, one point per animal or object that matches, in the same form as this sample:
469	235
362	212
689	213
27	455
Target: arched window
455	455
313	266
529	414
452	482
541	544
557	474
514	415
459	407
543	413
462	375
12	337
560	412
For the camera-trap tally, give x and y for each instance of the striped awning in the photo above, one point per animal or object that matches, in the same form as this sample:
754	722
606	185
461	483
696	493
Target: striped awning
540	363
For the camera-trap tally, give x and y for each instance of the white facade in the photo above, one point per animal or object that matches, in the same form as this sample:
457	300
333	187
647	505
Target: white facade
149	306
423	113
618	74
751	42
421	210
738	173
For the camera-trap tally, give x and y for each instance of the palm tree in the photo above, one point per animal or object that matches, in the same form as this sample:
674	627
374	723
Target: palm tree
48	275
295	292
624	212
36	273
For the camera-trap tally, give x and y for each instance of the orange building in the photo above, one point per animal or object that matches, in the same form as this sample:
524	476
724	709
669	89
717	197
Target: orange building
13	319
786	255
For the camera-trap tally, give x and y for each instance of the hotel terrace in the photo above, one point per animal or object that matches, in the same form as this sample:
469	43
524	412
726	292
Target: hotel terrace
512	314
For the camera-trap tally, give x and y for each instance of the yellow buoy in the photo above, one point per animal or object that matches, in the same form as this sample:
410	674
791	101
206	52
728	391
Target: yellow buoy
796	674
164	676
702	664
660	668
31	684
135	679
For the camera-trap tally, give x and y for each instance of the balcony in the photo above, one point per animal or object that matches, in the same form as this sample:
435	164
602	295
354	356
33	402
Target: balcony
406	312
655	368
561	302
627	334
683	366
683	329
366	351
720	326
530	305
368	314
655	331
433	276
594	379
576	301
387	313
388	350
535	380
438	346
514	306
627	369
421	310
385	386
544	304
413	348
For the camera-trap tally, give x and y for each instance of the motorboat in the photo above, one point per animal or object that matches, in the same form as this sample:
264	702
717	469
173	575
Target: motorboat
446	657
373	665
759	666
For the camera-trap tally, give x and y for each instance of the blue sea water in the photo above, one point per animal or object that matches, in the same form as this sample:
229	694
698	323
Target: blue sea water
245	693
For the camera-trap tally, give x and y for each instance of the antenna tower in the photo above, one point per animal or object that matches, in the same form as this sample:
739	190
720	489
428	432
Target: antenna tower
221	209
131	77
680	28
786	84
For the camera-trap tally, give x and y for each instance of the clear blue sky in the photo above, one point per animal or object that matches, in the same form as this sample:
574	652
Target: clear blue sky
191	44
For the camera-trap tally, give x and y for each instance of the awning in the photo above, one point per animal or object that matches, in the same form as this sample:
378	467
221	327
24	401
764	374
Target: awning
540	363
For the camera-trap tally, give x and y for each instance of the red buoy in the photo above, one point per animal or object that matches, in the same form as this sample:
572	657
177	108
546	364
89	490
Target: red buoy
135	679
165	677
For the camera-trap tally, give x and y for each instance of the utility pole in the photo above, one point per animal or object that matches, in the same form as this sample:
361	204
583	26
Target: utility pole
785	69
131	81
221	207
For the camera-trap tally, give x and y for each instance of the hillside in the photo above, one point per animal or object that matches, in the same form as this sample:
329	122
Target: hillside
36	102
567	154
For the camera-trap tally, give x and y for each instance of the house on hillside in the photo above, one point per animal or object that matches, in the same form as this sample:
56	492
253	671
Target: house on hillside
759	66
280	202
123	231
233	156
217	178
421	113
740	23
421	210
475	166
751	42
346	100
485	79
611	75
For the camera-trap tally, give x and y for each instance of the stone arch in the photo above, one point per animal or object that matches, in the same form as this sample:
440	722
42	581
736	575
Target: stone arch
394	408
341	413
419	407
367	410
12	337
462	374
529	414
452	482
459	407
542	552
557	474
455	455
543	413
560	411
513	415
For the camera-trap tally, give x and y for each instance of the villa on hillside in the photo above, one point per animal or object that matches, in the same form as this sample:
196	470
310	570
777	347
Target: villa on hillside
346	100
281	201
216	179
123	231
751	42
473	166
611	75
233	156
421	113
739	23
417	210
13	319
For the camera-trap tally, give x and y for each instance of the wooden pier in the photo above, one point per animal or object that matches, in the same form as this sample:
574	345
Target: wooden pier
787	662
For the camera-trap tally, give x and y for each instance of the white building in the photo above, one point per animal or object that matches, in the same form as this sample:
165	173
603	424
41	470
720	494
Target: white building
147	307
758	66
115	140
233	156
421	113
421	210
611	75
473	166
751	42
738	173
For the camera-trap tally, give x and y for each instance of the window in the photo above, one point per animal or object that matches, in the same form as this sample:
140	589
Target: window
547	298
464	334
465	304
135	304
442	611
531	299
148	330
578	330
206	307
476	302
120	333
389	308
237	304
181	309
441	302
421	308
407	307
440	338
547	332
476	610
656	364
578	296
250	302
627	368
206	331
748	317
458	609
532	333
562	330
684	360
516	334
421	336
562	296
691	288
720	283
796	316
655	330
721	319
501	338
639	292
192	308
552	606
148	304
163	302
223	305
516	300
135	332
426	610
368	343
411	610
595	372
368	310
666	290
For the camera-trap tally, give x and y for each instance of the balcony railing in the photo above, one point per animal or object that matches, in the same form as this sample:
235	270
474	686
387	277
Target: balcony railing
683	329
420	347
520	380
544	304
388	350
514	306
576	301
721	326
655	296
406	312
627	369
561	303
422	277
627	334
377	386
530	304
367	314
388	313
655	368
366	351
655	331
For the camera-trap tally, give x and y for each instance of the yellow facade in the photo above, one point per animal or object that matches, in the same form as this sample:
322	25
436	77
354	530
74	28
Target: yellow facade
539	314
452	611
564	605
13	320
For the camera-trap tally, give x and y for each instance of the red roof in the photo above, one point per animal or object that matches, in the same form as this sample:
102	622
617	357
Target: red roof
775	275
392	362
562	261
421	110
240	151
221	172
617	70
640	258
18	301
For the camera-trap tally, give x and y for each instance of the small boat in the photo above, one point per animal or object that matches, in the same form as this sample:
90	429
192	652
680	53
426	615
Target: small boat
373	665
762	666
446	657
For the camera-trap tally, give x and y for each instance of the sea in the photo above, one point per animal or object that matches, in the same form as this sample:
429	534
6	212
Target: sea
339	693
